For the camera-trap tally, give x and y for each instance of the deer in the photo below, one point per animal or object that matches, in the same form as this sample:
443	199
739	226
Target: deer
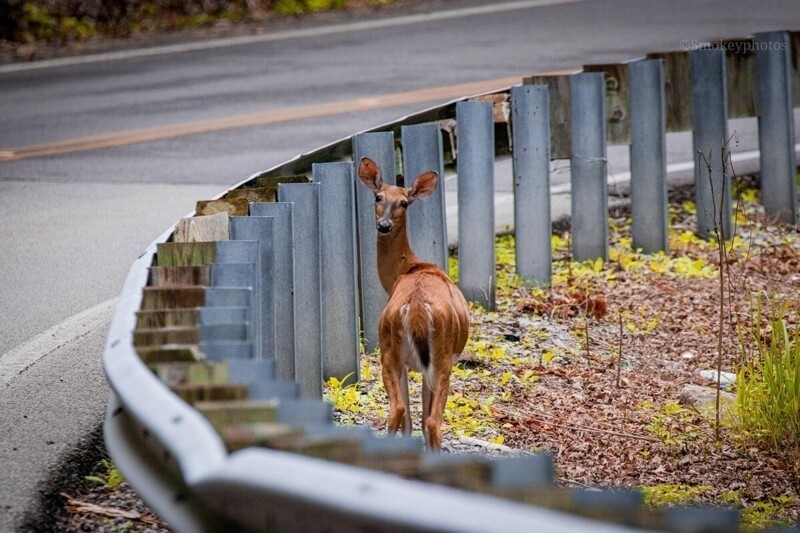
425	324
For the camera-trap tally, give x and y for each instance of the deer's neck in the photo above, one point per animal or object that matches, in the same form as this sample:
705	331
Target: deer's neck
395	258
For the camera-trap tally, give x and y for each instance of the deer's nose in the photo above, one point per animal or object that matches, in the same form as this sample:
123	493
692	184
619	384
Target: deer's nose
384	226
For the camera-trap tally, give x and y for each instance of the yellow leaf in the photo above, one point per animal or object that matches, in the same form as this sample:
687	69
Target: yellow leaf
506	377
498	440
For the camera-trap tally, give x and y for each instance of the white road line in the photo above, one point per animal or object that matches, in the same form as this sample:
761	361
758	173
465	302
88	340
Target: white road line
16	361
403	20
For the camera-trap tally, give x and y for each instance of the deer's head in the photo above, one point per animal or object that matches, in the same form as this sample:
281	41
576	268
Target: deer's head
391	202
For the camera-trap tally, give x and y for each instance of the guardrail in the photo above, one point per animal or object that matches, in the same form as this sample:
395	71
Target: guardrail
229	322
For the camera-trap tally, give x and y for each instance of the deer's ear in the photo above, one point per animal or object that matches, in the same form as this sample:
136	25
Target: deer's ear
370	174
424	186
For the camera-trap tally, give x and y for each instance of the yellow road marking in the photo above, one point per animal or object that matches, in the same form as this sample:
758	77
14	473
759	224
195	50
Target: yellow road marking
122	138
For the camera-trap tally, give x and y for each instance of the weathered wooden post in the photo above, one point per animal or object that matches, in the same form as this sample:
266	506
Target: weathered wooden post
282	228
589	166
530	119
339	274
710	106
776	125
308	341
427	227
380	148
475	167
649	202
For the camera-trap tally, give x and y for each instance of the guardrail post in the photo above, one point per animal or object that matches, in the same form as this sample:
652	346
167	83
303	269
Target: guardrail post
308	344
589	166
427	227
530	120
475	167
380	148
710	107
649	202
241	275
340	339
776	125
286	332
260	229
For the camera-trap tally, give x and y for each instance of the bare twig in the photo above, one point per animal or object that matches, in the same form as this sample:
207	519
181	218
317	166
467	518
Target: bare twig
77	506
719	230
543	419
619	356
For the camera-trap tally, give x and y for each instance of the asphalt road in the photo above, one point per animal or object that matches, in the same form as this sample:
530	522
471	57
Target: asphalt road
72	223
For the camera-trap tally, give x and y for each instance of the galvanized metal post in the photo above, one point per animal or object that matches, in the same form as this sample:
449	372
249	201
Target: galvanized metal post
308	343
589	166
282	228
237	252
260	229
710	106
426	222
340	335
776	125
475	167
649	202
380	148
530	119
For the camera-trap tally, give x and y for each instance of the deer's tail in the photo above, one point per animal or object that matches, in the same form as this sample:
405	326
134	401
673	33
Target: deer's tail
418	326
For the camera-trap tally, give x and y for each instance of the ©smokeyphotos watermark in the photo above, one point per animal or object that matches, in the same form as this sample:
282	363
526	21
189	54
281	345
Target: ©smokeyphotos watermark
744	46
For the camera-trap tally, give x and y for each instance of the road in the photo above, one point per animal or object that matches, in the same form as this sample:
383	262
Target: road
73	222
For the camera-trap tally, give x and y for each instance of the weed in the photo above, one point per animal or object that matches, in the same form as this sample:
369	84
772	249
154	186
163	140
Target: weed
768	514
768	380
666	495
298	7
672	424
106	475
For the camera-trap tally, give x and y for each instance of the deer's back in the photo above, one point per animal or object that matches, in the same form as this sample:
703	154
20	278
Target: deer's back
426	283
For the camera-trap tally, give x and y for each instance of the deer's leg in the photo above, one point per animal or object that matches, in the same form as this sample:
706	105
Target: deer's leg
441	389
427	396
406	426
390	370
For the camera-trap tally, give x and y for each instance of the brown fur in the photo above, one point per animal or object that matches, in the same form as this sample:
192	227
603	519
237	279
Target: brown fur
426	312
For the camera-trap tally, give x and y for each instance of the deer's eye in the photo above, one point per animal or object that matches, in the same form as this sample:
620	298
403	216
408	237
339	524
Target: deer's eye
378	198
403	204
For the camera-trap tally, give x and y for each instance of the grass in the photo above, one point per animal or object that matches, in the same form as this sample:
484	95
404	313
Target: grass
768	380
106	474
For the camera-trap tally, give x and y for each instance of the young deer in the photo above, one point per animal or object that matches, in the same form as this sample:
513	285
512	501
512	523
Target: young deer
426	322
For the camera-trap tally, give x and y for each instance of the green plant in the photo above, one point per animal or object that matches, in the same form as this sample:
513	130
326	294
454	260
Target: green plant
666	495
767	514
106	475
672	424
768	380
40	24
298	7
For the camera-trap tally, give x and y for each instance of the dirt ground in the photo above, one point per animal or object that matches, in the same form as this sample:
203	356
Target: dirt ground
592	369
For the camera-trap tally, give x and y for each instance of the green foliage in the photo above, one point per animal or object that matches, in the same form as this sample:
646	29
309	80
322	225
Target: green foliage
452	266
666	495
38	23
768	381
672	424
298	7
106	475
767	514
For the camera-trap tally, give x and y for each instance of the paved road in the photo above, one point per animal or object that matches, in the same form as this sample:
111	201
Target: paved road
73	223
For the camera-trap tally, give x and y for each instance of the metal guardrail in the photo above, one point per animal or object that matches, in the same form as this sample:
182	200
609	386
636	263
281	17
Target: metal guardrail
176	458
